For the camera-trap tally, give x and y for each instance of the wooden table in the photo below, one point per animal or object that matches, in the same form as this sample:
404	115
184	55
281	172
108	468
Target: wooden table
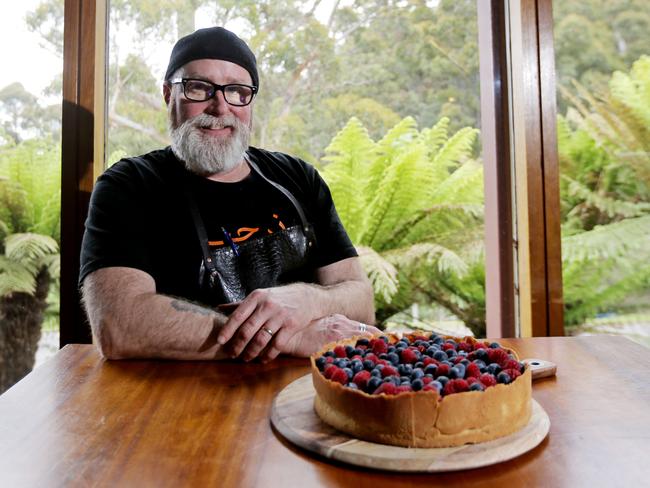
81	421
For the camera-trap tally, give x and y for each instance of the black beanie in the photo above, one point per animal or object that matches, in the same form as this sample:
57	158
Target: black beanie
212	43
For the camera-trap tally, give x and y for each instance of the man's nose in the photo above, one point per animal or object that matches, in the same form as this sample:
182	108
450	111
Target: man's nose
217	104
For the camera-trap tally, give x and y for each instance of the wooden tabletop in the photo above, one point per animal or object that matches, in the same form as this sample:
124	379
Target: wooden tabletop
80	421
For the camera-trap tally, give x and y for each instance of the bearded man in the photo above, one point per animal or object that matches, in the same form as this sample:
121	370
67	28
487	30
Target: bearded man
210	248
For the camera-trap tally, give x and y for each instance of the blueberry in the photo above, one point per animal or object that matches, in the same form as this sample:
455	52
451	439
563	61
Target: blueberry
341	362
383	355
349	372
419	364
448	363
393	358
320	363
358	352
495	345
457	372
493	368
352	385
375	373
451	341
465	362
462	353
368	365
356	365
442	380
329	354
402	343
437	340
430	351
417	373
392	379
349	351
384	338
417	384
440	355
480	363
390	349
404	378
437	385
451	353
477	386
405	383
363	342
504	378
431	369
379	366
373	384
481	354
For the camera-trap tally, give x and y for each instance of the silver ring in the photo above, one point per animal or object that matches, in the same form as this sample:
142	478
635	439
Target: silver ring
268	331
362	327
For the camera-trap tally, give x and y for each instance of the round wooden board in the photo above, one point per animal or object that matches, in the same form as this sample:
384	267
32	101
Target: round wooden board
294	417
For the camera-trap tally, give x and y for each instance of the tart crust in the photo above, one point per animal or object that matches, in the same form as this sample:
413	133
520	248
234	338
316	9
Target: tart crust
424	418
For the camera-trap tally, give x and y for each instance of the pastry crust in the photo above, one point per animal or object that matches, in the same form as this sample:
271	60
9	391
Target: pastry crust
423	418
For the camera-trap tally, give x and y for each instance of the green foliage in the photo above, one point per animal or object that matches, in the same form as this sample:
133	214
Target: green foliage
412	203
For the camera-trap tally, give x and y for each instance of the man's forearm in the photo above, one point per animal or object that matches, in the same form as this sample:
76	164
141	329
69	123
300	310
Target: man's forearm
139	323
352	298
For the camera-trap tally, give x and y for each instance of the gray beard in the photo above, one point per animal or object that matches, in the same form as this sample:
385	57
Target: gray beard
205	155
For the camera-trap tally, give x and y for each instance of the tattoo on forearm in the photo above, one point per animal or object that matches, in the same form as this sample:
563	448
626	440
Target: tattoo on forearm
183	306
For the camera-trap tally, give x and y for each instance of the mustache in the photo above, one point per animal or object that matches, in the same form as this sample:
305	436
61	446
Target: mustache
207	121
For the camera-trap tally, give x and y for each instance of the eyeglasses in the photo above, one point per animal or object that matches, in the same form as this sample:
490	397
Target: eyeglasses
201	90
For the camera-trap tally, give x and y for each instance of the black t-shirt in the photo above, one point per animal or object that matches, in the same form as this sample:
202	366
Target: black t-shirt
139	216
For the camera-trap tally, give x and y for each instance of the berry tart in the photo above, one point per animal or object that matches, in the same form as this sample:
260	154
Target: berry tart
421	390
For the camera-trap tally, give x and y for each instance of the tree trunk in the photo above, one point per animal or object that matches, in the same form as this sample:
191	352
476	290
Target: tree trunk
21	317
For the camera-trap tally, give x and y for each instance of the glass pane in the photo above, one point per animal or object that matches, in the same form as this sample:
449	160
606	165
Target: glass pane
603	67
381	96
30	182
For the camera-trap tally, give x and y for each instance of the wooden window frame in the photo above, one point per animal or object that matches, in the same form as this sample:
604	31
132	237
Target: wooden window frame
518	118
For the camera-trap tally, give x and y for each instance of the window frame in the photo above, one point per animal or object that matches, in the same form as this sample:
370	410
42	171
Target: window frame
517	83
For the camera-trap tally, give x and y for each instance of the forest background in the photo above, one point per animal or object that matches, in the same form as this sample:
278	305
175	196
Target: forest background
382	97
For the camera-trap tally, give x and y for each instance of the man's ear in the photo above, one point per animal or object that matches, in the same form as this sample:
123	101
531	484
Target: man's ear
167	92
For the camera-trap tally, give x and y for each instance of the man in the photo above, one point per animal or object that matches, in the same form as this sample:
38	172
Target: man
214	221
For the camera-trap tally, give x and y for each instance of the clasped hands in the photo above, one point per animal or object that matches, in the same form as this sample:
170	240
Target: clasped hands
282	320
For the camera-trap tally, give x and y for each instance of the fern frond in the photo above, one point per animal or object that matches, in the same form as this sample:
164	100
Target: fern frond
27	247
615	240
382	273
15	277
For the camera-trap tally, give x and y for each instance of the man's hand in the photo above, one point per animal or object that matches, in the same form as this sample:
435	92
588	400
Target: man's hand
320	332
267	318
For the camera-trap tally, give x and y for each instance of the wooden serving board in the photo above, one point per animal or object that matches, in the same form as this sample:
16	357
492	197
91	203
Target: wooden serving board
293	416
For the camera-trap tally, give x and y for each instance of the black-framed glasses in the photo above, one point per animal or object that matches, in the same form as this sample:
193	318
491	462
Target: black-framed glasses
201	90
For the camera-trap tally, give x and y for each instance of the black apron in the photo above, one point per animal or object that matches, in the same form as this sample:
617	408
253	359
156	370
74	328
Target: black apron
228	274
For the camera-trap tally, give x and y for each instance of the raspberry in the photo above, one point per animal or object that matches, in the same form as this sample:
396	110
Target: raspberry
389	371
455	386
480	345
329	370
402	388
512	364
408	356
447	346
499	356
457	359
488	380
361	379
472	371
512	372
329	360
339	352
471	380
427	361
386	388
339	376
443	370
426	380
370	356
378	346
464	346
